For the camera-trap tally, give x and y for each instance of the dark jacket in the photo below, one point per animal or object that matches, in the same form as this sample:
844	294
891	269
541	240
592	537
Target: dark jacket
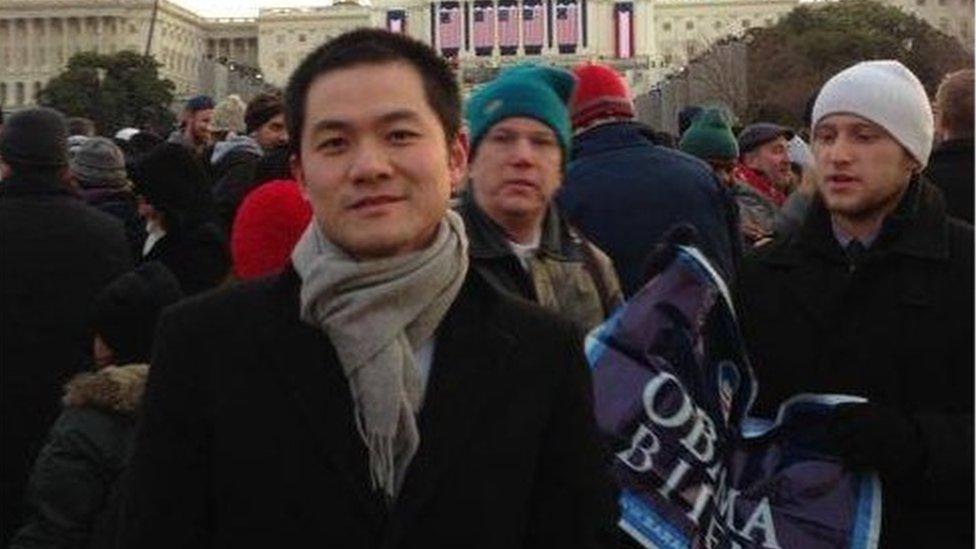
248	438
56	253
74	491
896	328
121	204
579	277
234	163
951	169
197	255
624	193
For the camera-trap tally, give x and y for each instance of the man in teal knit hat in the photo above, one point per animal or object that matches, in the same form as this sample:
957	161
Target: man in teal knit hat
710	138
520	136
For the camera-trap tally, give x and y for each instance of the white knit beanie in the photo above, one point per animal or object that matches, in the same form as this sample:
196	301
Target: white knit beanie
886	93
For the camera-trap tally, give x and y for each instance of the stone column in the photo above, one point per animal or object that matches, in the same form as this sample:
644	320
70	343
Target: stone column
496	50
11	42
65	52
29	44
49	44
437	26
579	26
546	14
521	28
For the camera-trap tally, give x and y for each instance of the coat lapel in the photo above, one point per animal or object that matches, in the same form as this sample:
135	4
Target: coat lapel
467	374
309	365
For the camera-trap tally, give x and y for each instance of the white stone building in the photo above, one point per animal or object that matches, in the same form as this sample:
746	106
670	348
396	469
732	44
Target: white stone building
37	37
644	39
953	17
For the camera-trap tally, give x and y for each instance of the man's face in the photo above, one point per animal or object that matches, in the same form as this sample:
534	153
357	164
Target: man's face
865	171
199	126
375	163
273	133
773	160
516	169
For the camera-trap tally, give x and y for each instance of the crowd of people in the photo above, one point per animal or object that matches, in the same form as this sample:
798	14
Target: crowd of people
352	312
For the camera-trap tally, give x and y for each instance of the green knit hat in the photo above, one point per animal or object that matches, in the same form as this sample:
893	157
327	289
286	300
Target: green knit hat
531	91
709	137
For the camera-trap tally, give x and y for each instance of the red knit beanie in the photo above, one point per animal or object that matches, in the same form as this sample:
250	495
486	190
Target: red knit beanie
600	93
267	226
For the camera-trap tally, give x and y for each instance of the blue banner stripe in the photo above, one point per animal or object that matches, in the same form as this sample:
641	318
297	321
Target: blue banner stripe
867	518
638	518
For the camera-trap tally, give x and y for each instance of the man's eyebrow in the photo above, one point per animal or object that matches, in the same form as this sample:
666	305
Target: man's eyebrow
399	116
327	124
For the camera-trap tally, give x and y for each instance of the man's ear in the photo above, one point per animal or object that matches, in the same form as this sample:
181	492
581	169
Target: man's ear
457	160
295	163
914	167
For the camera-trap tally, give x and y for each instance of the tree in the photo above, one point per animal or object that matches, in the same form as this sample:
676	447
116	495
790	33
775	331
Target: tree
789	61
115	91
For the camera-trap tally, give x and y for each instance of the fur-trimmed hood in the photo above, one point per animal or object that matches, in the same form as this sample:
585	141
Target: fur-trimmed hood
113	388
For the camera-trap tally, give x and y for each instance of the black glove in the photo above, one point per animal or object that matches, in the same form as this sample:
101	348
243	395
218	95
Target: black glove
869	436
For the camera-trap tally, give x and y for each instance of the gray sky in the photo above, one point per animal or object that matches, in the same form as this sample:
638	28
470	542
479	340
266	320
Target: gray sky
242	8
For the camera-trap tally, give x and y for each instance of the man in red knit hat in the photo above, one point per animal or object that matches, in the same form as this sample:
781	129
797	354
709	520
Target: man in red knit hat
624	192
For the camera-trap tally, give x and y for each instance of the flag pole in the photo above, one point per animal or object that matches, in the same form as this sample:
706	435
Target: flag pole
152	26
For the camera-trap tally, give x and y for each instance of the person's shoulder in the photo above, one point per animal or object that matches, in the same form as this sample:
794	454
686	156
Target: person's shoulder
228	309
89	223
961	241
520	319
776	253
90	430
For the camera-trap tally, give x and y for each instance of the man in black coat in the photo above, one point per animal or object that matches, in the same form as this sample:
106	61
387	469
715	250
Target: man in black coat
236	159
624	192
873	296
378	393
56	252
951	165
182	233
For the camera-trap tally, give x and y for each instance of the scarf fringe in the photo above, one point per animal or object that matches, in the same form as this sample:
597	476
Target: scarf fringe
382	469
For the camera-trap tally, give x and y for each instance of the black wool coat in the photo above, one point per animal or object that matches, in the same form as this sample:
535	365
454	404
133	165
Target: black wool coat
248	438
198	256
896	329
56	253
233	179
951	169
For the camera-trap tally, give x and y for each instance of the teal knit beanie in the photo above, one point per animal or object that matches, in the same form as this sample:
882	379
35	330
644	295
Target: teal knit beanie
532	91
709	136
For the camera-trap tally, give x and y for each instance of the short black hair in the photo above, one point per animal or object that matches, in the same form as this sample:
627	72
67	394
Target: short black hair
375	46
81	126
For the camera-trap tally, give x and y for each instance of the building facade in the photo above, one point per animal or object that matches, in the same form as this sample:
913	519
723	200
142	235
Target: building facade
643	39
37	37
953	17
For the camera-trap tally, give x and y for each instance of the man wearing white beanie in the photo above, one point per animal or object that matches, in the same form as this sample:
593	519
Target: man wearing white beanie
873	296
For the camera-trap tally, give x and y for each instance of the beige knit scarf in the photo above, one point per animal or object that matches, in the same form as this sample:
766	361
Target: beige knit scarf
377	313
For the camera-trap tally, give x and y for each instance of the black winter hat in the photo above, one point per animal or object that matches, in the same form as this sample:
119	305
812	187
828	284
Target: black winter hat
199	103
35	137
126	310
261	109
174	182
760	133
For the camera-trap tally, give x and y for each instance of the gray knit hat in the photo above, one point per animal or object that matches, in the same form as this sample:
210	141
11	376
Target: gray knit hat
886	93
35	137
99	162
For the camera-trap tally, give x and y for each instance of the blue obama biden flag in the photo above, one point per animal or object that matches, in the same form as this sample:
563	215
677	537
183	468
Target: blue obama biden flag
672	392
